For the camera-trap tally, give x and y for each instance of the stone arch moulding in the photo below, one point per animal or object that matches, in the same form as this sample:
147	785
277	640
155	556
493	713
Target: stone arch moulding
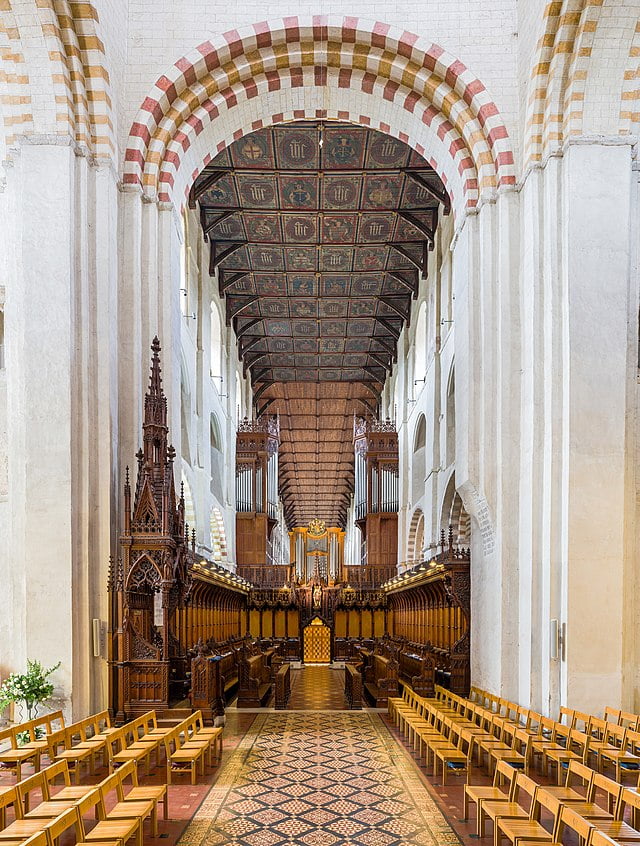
68	63
334	68
416	532
568	94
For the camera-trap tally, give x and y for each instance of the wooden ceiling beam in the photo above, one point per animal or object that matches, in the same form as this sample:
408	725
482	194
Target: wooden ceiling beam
420	225
224	283
216	256
400	248
440	195
206	229
389	327
247	327
403	314
205	182
243	302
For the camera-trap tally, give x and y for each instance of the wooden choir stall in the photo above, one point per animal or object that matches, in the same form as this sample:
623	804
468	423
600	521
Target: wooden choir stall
430	608
164	598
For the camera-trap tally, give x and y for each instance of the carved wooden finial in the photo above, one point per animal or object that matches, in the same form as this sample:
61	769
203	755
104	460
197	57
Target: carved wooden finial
155	382
171	454
450	537
442	538
193	540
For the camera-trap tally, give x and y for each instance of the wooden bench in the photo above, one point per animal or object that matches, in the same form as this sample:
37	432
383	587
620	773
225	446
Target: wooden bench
380	678
214	680
353	687
417	668
283	686
255	683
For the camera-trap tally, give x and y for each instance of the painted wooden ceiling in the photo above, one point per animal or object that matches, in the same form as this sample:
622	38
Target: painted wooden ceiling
320	234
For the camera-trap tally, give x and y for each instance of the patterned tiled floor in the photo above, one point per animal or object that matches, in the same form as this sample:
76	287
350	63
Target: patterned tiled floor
318	779
317	688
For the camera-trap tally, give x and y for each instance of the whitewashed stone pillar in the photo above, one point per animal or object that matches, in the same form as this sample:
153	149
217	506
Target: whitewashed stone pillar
596	243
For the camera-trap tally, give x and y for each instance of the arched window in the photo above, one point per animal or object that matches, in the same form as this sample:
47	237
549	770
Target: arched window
451	419
416	537
216	346
185	414
217	461
419	459
189	506
239	398
454	515
420	349
420	439
218	537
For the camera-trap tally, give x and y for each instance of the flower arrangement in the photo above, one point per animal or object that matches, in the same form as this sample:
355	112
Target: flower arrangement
31	688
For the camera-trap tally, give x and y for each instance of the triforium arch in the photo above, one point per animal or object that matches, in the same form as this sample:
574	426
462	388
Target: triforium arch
55	49
334	67
453	515
416	536
581	82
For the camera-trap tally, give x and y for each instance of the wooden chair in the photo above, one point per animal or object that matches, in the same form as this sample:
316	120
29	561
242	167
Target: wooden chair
8	798
518	830
576	772
617	828
153	792
123	746
74	755
17	755
44	809
115	831
577	749
451	755
182	758
140	809
475	793
496	810
67	791
54	829
590	809
518	753
212	733
627	757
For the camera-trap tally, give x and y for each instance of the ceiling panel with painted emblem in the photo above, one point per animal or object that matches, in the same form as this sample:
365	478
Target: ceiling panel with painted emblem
319	235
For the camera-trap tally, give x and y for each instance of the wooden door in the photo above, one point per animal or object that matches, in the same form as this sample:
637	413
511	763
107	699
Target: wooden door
317	643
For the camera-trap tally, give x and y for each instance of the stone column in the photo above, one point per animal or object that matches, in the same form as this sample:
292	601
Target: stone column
596	243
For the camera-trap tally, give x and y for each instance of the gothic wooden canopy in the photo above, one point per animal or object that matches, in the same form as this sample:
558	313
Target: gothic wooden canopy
320	233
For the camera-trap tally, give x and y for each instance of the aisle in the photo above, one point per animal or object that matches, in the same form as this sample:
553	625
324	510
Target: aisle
318	779
317	687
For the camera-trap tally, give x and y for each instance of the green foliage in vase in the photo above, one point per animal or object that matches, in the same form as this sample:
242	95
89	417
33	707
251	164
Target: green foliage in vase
31	688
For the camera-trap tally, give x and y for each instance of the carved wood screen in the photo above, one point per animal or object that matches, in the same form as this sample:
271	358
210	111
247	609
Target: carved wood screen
317	643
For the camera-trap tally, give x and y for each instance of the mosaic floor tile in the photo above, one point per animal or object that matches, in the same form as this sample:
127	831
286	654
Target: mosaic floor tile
318	779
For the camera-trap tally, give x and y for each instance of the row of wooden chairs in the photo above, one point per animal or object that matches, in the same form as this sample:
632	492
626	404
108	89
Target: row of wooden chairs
66	808
612	740
422	722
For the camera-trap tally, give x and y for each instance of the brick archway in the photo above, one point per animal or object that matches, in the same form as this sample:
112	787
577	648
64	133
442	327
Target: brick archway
347	68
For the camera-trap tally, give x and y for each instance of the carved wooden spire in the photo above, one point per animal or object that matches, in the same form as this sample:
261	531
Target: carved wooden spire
154	506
